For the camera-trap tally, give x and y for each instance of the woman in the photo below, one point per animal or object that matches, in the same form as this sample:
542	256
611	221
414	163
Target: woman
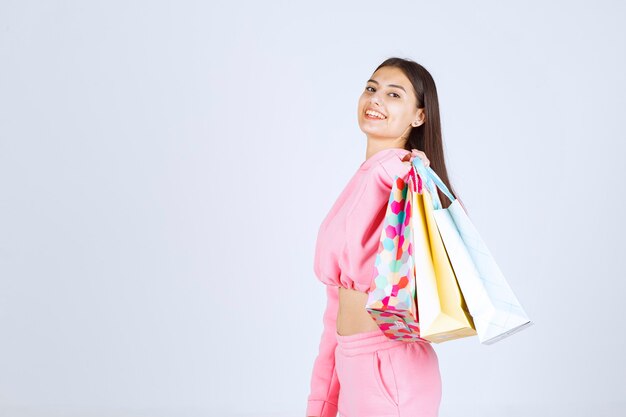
359	372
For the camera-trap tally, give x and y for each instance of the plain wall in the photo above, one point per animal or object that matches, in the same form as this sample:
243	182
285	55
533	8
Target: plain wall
165	166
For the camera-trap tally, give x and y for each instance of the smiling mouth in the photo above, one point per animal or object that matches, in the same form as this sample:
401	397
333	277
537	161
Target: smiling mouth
374	115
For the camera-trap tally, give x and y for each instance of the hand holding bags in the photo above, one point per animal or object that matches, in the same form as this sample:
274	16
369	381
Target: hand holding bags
495	310
410	245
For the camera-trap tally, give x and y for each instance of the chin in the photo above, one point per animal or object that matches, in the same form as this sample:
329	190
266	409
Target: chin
370	131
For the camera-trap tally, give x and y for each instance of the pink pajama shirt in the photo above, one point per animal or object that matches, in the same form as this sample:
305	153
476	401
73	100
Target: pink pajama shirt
366	374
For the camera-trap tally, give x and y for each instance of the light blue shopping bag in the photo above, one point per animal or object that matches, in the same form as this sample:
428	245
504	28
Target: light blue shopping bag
496	311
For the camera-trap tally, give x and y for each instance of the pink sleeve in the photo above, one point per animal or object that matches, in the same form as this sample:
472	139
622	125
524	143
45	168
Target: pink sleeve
324	394
364	225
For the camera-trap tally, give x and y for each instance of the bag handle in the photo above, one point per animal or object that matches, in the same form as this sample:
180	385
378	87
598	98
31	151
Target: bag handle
432	181
415	179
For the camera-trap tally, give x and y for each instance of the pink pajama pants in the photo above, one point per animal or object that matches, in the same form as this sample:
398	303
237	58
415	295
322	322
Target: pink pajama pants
380	377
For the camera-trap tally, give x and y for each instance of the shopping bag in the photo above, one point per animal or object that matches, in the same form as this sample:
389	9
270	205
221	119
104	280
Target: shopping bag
496	311
441	308
391	299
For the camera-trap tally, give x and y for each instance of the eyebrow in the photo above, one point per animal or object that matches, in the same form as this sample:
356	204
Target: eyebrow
388	85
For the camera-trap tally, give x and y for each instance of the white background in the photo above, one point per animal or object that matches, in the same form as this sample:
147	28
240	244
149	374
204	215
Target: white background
164	167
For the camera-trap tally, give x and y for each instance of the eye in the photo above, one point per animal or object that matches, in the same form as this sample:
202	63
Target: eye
372	89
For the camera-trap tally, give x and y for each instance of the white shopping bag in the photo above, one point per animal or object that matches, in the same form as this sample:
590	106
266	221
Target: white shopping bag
496	311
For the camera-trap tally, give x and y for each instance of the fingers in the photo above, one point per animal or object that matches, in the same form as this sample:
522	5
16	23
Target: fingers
421	155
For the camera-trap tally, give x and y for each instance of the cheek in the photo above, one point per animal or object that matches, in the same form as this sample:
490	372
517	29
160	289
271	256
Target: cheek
398	121
361	103
400	115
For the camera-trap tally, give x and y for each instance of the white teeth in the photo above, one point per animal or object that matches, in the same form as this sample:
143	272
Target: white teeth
375	114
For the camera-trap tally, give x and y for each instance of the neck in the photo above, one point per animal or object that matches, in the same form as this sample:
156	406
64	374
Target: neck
378	144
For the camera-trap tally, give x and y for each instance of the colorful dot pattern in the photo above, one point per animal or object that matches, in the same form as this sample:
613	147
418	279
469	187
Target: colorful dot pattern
392	300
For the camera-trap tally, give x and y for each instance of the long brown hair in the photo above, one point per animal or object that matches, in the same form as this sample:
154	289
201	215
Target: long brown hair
426	137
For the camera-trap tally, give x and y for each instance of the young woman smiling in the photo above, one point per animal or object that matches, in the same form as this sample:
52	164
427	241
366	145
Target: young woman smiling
358	371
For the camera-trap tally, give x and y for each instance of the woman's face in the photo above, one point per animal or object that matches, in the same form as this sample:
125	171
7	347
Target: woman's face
389	93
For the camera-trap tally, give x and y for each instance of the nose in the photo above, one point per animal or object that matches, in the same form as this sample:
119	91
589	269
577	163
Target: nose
375	100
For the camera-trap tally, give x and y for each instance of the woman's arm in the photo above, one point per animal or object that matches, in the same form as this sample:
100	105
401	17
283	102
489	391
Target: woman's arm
324	394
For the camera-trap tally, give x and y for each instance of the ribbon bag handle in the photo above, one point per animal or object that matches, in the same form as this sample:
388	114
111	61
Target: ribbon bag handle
415	180
432	181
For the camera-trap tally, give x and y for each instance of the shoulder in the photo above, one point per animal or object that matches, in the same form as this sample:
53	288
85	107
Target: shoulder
375	179
391	166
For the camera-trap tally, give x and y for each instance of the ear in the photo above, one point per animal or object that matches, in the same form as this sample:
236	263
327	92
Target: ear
420	118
